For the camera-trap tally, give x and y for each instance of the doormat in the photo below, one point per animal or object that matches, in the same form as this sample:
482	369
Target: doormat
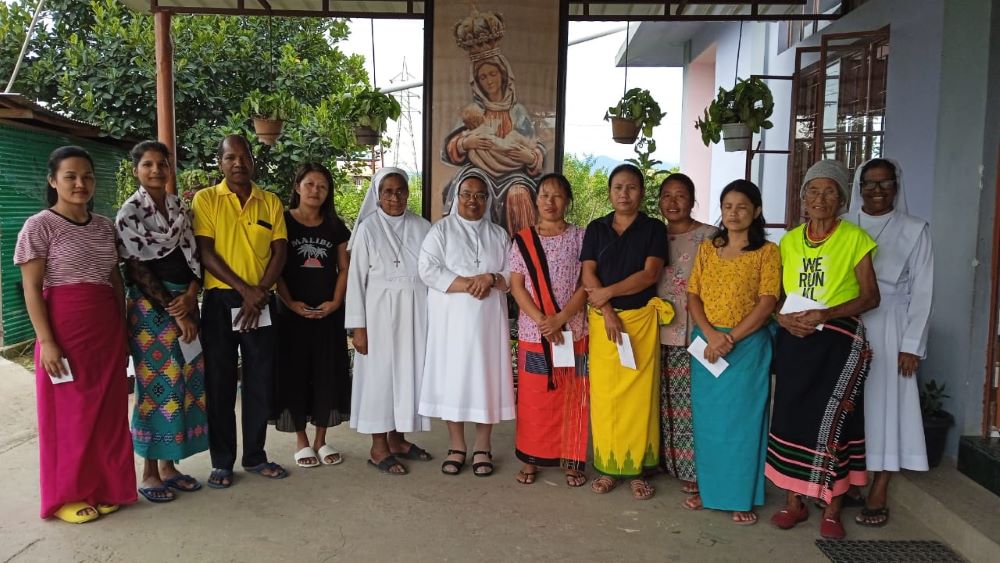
879	551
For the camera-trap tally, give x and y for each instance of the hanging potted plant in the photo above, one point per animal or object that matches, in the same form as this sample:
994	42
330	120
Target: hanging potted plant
937	421
636	112
371	111
269	112
735	115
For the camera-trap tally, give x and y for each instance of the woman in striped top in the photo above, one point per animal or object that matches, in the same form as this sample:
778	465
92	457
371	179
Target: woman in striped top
75	298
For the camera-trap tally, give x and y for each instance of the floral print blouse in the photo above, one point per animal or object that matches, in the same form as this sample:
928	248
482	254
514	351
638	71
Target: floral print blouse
674	281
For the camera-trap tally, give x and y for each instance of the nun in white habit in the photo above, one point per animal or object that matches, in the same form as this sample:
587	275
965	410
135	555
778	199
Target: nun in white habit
897	329
467	372
386	306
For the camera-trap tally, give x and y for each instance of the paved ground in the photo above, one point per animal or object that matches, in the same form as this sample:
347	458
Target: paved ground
350	512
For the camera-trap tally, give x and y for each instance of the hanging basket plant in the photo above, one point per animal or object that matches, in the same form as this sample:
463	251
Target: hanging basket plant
636	112
371	111
269	112
735	115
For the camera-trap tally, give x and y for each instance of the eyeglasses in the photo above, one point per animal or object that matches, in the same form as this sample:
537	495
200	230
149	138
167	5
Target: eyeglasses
870	186
478	196
816	194
394	194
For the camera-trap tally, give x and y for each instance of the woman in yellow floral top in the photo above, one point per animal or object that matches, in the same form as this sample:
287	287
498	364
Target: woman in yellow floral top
733	289
684	234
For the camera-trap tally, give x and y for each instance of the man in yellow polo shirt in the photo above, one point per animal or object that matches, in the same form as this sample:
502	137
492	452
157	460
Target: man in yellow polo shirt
241	235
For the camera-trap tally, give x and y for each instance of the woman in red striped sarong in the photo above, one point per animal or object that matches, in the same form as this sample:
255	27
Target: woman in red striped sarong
75	298
552	402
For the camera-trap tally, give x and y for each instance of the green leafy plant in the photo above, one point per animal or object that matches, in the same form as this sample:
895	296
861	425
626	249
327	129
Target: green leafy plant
639	107
371	108
279	105
932	398
749	102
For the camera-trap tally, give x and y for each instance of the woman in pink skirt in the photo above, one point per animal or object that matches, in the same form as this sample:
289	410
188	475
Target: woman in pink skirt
75	298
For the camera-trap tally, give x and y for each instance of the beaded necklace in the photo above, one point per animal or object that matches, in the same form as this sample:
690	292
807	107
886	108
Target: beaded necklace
817	243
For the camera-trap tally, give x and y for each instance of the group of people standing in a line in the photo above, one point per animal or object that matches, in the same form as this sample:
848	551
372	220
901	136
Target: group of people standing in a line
607	315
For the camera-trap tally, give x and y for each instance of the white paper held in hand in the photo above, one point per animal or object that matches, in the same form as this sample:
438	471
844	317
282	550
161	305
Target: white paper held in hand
697	350
795	303
562	354
625	354
262	321
191	350
65	378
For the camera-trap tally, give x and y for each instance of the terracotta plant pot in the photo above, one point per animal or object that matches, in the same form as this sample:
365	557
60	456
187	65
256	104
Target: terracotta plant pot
624	131
736	137
268	130
366	135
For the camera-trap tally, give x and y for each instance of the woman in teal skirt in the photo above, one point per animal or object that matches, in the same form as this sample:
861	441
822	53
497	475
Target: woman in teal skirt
733	289
163	278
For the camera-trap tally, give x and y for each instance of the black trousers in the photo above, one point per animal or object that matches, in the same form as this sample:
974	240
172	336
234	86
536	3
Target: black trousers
220	344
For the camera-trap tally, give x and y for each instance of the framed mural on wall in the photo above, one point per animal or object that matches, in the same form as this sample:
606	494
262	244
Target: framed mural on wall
495	77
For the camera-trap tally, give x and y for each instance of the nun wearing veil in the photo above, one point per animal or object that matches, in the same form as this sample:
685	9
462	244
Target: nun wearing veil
467	371
897	329
387	308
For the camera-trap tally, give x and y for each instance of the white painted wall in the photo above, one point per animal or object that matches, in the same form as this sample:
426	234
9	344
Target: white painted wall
938	128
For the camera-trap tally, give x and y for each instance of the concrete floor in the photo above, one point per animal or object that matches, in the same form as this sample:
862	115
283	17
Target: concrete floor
350	512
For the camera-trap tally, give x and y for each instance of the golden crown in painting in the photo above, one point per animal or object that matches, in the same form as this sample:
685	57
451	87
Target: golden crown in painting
480	33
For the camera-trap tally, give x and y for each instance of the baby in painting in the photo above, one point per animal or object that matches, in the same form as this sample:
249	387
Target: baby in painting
474	118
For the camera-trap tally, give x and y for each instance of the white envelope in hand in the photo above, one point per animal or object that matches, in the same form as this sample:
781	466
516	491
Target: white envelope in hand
65	378
562	354
625	354
191	350
795	303
262	321
697	351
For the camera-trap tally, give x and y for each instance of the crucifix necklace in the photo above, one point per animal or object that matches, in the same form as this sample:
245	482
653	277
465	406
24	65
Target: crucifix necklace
397	248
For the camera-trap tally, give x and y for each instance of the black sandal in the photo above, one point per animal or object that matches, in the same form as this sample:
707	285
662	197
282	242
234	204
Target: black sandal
476	466
867	514
458	465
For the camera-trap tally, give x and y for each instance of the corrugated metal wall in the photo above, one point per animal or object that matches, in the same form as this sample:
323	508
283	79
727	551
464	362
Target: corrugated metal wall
23	156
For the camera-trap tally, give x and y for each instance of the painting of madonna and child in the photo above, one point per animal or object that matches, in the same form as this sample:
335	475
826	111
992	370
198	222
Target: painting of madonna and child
494	95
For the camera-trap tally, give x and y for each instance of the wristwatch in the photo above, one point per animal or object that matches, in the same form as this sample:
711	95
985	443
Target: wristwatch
496	279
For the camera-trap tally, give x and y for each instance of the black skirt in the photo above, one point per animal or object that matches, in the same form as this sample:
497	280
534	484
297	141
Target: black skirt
312	379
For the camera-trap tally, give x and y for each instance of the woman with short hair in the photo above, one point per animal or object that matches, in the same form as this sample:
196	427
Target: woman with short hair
816	447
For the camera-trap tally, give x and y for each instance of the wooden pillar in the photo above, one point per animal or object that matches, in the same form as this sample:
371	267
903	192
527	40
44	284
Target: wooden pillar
165	88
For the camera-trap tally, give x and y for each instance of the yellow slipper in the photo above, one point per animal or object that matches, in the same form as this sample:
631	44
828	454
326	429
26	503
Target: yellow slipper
104	509
70	512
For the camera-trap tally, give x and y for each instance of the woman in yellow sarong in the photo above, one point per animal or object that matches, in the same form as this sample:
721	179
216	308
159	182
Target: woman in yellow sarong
623	255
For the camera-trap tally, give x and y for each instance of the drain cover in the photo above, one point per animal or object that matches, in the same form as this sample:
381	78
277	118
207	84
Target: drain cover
877	551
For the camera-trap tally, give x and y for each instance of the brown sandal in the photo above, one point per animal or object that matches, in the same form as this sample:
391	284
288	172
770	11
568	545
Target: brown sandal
575	479
603	485
693	502
525	478
641	489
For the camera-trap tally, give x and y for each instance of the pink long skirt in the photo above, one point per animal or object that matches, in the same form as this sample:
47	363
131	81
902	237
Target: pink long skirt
85	448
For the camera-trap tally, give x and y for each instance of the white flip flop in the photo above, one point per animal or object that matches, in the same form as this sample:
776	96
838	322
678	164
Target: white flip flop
327	451
306	453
